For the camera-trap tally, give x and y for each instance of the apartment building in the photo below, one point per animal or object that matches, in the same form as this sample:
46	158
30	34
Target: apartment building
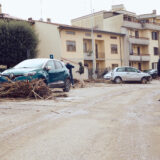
74	44
142	40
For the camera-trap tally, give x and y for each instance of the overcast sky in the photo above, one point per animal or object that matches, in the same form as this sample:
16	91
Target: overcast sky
62	11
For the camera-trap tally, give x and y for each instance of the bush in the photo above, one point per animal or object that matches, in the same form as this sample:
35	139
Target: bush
18	42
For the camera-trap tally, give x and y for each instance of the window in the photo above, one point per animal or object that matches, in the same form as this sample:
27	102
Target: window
155	51
154	36
154	65
99	35
120	70
50	64
71	46
136	34
58	65
131	69
114	66
84	47
113	37
114	49
70	32
88	34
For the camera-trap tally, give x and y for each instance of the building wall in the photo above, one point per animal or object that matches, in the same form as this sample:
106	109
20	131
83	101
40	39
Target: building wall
95	21
113	23
111	58
49	40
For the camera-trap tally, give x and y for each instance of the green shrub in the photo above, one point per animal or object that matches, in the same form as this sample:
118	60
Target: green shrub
18	42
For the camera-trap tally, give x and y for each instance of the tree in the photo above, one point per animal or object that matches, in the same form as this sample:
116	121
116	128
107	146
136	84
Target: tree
158	67
18	42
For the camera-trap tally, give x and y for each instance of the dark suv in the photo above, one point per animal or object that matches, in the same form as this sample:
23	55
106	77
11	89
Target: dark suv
53	72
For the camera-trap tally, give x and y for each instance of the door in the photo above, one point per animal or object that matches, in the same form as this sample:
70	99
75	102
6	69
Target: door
60	71
138	50
96	50
51	72
139	66
132	74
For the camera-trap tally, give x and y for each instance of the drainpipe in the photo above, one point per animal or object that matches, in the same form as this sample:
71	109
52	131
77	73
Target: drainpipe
120	50
93	44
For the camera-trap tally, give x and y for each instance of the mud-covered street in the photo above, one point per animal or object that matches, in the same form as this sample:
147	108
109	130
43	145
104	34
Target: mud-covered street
100	122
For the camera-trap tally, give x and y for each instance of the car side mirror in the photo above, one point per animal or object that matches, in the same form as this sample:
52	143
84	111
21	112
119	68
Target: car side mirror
47	68
138	71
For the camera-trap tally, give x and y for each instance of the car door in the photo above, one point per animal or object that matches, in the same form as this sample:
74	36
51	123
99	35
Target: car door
51	71
120	72
132	74
60	71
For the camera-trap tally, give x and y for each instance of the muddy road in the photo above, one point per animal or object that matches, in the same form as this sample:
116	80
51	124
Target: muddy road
102	122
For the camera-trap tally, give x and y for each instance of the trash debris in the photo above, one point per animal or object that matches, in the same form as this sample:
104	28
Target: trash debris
25	89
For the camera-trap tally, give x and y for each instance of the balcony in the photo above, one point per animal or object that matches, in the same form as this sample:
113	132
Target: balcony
152	26
88	56
100	56
139	58
138	25
130	24
139	40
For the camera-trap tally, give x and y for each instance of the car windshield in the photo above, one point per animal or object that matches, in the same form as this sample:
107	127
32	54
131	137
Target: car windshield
31	63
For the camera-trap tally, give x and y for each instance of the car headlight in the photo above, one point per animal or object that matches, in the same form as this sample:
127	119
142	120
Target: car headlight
30	74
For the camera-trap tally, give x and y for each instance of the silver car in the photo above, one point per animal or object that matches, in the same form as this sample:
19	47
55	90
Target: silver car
121	74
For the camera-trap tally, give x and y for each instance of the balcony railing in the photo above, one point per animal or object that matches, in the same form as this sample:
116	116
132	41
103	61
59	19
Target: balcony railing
139	40
100	56
141	25
141	57
88	56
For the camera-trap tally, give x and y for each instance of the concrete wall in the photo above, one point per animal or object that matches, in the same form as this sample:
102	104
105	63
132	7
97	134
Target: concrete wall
96	21
49	40
113	23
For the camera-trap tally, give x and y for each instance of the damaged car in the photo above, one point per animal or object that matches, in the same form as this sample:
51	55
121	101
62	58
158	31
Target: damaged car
52	71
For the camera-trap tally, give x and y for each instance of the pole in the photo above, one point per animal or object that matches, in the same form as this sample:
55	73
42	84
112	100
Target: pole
93	43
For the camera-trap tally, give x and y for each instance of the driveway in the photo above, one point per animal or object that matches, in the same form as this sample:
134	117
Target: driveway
100	122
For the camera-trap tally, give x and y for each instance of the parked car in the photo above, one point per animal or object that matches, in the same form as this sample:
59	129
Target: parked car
53	72
122	74
108	75
152	72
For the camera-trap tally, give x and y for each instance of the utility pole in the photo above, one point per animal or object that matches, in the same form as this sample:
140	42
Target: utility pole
41	10
94	76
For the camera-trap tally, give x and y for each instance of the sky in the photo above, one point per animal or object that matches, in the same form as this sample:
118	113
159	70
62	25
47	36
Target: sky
62	11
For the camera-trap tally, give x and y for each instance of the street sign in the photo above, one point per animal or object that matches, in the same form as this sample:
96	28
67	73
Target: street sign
51	56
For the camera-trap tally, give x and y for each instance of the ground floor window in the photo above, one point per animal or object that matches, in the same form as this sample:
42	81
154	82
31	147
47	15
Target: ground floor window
71	46
154	65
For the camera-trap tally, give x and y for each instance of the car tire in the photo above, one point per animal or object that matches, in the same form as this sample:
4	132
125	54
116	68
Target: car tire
144	81
67	85
118	80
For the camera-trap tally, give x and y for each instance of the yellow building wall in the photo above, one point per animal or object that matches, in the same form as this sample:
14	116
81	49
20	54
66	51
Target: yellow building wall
152	44
49	40
89	21
113	23
110	57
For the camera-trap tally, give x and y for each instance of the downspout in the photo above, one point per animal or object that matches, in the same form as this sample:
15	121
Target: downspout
120	50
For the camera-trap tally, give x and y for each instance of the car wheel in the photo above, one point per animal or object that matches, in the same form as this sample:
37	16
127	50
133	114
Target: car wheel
67	85
118	80
144	81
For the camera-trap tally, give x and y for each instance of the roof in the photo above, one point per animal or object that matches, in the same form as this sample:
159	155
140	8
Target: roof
88	15
65	26
89	30
7	16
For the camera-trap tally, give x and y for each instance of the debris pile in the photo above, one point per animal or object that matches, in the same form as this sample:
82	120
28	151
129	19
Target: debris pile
78	84
25	89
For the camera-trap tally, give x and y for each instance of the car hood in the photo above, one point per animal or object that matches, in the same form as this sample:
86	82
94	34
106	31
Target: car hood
109	74
19	71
